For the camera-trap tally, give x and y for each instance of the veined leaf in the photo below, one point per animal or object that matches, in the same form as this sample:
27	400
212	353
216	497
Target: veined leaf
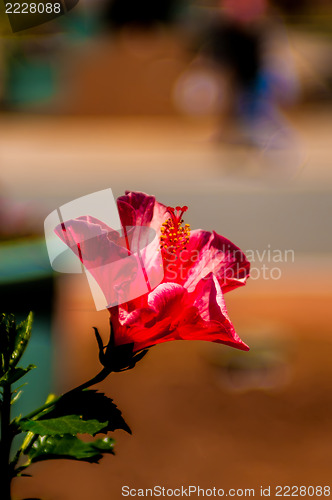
90	405
22	337
68	424
70	447
7	340
15	374
16	397
13	341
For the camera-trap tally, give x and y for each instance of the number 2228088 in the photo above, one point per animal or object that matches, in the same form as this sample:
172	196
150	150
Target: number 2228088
302	491
33	8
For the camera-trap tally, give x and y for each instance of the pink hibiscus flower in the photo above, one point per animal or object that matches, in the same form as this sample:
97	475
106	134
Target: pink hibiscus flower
186	302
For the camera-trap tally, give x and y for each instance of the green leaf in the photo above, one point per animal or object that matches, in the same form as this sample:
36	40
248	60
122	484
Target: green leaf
15	374
70	447
7	340
51	397
69	424
16	397
89	405
23	334
13	341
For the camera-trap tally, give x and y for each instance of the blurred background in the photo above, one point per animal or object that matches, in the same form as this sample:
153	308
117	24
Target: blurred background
225	107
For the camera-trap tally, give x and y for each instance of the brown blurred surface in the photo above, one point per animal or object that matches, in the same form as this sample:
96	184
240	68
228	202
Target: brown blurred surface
53	159
188	428
137	72
129	75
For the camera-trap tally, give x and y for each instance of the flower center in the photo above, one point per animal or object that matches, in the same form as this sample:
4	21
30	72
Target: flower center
174	235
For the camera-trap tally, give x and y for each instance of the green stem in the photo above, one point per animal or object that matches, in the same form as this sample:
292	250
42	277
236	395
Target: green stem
6	443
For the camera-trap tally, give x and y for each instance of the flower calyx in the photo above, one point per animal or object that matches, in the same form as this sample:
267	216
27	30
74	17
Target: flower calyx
117	358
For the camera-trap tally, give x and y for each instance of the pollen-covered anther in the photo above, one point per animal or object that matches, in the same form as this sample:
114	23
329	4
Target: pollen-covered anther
174	235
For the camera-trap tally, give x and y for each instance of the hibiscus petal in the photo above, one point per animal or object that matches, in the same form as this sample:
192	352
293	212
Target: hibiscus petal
147	210
115	270
210	252
142	204
127	213
155	323
174	314
166	298
212	309
91	240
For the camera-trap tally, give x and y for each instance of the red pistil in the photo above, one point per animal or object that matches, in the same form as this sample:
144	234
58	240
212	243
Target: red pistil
176	217
174	236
